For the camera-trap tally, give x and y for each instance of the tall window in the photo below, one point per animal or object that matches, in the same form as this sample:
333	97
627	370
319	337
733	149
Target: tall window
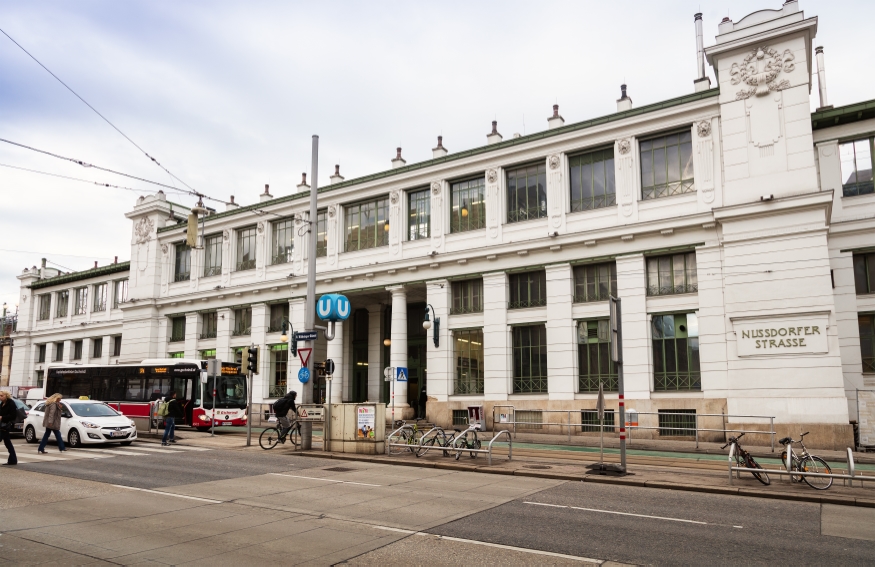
595	282
856	159
246	249
322	233
77	350
45	306
864	273
594	356
40	353
177	329
527	193
530	359
176	355
81	301
468	350
528	289
63	298
213	255
243	321
367	224
867	341
97	347
117	345
183	263
59	352
669	275
469	205
120	294
99	301
419	214
467	297
667	166
278	312
676	352
208	354
279	363
282	241
209	325
592	181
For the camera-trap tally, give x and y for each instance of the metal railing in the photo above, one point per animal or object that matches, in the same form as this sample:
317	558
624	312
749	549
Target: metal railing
418	444
850	477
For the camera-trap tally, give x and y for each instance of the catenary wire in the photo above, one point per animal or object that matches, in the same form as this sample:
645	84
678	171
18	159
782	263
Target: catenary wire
99	184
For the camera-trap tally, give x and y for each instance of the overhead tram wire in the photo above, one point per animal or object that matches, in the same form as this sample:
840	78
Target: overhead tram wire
98	183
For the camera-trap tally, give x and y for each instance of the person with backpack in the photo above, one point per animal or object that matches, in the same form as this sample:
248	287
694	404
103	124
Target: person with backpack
52	423
281	409
8	415
170	409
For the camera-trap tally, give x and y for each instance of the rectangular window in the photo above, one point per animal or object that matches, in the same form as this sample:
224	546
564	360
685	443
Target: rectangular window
592	181
40	353
45	306
279	362
530	359
677	422
59	352
589	420
63	298
282	241
594	357
467	297
367	224
209	325
278	313
667	165
208	354
469	205
529	419
40	378
182	270
99	301
527	193
120	293
460	417
528	289
418	214
856	158
670	275
81	307
117	345
322	233
77	350
246	249
676	353
213	255
97	347
177	329
864	273
867	341
242	321
468	350
176	355
595	282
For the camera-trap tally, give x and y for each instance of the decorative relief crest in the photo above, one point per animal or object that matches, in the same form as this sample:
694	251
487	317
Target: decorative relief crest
226	235
332	210
554	162
436	188
164	249
624	146
143	230
393	197
760	71
491	176
260	227
703	128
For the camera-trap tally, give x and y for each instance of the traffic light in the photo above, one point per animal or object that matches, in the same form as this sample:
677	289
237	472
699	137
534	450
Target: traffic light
252	358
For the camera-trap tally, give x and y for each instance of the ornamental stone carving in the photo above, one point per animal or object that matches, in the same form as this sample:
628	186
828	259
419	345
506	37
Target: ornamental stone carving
703	128
554	162
143	230
164	249
436	188
393	197
624	146
332	210
260	227
491	176
760	70
226	235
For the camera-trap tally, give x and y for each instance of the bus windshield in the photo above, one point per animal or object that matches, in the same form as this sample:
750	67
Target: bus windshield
230	393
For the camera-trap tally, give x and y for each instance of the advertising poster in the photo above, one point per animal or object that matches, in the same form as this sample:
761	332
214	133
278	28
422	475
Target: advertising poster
366	418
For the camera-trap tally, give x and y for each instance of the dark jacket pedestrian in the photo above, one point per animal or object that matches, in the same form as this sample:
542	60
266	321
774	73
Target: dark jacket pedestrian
175	409
8	415
52	423
423	400
281	409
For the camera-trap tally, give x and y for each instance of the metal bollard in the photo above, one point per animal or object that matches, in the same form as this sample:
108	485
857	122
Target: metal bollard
731	460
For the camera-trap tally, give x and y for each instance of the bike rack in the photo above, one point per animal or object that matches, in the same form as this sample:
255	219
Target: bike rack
788	463
452	446
389	442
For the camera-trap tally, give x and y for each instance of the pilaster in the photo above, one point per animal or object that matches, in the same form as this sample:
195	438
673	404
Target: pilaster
561	335
496	338
335	351
223	334
398	348
375	351
631	288
440	368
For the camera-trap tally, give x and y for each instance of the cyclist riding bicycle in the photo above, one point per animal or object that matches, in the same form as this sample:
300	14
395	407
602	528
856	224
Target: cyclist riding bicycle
281	409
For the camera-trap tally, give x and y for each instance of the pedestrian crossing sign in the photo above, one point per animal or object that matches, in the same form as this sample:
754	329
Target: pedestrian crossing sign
401	374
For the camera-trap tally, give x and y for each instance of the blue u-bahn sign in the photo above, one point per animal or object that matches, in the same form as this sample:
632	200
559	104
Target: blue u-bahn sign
333	307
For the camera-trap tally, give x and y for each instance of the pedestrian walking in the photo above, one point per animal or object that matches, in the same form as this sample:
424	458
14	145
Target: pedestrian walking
8	415
52	423
423	400
174	410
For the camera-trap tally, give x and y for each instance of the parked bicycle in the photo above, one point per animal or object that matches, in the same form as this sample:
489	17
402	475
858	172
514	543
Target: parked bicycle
466	440
439	438
405	434
745	460
806	462
272	436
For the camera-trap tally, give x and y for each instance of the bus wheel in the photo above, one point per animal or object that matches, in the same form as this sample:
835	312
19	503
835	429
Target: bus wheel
202	429
30	434
73	439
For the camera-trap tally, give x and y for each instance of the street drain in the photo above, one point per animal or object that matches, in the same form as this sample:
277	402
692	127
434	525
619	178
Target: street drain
340	469
539	467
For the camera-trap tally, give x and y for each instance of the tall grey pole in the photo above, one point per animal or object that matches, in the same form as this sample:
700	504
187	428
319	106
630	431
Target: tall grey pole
310	305
249	412
621	387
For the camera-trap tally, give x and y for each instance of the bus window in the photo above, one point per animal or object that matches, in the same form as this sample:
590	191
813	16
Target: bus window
182	387
155	388
135	390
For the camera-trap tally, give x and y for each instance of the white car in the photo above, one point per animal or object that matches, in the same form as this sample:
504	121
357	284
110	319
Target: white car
83	422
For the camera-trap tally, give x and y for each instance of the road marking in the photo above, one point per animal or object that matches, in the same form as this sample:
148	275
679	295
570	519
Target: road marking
169	494
325	479
154	449
111	451
498	545
619	513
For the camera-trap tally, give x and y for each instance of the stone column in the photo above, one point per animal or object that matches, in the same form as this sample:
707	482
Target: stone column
258	338
68	355
375	352
496	341
398	349
192	332
335	353
106	349
440	367
632	289
561	343
223	335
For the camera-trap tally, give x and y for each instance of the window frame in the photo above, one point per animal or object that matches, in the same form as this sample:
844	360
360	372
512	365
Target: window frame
275	320
867	341
608	198
58	354
864	273
516	297
853	189
213	255
322	233
588	291
175	336
657	274
209	325
463	195
181	262
41	352
473	383
285	226
116	346
417	218
245	248
354	242
684	184
62	300
119	292
97	347
77	350
81	304
525	381
44	311
101	295
278	376
692	378
515	214
589	382
242	322
466	296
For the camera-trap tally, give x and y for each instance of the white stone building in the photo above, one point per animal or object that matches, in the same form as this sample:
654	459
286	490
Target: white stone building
737	227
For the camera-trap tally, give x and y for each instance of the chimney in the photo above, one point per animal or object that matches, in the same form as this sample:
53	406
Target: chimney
624	102
555	121
115	260
95	264
493	137
398	161
232	205
821	79
440	150
266	196
43	264
337	177
303	185
702	83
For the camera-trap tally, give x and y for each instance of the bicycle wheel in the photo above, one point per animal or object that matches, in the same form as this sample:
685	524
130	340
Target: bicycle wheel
295	436
461	445
816	465
425	446
475	444
399	439
269	438
794	466
760	476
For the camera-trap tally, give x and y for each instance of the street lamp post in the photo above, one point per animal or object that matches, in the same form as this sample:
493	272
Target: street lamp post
310	305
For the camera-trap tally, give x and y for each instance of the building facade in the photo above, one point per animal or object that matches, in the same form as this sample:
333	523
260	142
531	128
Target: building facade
736	226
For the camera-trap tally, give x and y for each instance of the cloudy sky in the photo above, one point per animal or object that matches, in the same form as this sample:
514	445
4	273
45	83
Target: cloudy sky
227	95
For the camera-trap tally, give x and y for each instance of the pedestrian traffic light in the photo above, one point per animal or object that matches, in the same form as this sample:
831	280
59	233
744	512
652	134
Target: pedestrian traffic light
253	360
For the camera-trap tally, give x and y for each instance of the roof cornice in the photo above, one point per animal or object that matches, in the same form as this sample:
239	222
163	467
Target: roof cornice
84	275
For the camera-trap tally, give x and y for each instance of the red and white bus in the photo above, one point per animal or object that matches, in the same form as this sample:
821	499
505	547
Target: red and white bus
135	388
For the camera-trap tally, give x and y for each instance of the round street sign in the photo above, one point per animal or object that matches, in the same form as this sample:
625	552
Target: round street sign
304	375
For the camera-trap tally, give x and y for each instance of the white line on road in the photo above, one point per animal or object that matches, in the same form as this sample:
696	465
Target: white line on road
169	494
619	513
110	451
325	479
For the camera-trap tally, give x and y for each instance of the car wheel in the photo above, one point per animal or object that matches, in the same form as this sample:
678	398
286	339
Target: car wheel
30	434
202	429
126	443
73	439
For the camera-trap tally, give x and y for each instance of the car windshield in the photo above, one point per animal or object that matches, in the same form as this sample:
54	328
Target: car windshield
93	410
20	405
231	392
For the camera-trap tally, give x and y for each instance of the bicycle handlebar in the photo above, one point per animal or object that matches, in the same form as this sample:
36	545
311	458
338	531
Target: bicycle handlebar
733	440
